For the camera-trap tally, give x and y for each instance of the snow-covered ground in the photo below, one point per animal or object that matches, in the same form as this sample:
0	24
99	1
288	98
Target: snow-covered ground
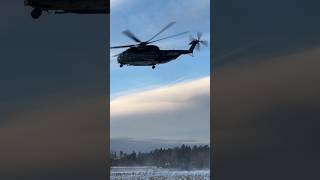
141	173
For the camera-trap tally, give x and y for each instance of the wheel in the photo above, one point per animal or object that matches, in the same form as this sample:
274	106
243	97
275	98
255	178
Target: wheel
121	65
153	66
36	13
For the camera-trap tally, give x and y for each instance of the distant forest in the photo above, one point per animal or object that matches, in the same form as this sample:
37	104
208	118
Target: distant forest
184	157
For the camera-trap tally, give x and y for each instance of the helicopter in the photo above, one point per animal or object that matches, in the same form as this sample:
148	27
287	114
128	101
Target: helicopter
67	6
145	54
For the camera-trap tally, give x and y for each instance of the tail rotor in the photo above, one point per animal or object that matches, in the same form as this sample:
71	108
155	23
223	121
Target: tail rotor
196	42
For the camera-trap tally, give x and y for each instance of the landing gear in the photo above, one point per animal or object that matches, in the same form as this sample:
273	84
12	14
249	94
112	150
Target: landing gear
153	66
121	65
36	13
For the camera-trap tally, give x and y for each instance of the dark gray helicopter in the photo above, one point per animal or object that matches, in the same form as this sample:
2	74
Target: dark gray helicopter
143	54
68	6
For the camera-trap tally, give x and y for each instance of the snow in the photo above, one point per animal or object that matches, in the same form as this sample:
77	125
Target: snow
146	172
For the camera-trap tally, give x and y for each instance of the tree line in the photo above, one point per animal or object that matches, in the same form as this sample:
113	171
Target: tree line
183	157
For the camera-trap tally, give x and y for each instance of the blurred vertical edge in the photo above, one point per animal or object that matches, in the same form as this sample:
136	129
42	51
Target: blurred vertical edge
108	90
54	95
266	90
212	90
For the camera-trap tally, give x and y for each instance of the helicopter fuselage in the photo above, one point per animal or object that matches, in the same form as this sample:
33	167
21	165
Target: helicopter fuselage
68	6
148	56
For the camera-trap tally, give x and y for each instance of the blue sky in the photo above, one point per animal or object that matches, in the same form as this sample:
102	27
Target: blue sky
170	103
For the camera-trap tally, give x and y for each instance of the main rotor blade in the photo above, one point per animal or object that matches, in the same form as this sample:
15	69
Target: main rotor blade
191	38
165	28
115	47
169	37
131	35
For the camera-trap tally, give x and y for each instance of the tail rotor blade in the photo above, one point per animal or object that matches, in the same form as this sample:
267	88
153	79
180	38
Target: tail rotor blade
198	47
199	35
191	38
205	43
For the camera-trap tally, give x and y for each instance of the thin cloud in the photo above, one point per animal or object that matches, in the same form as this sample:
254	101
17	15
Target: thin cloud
160	99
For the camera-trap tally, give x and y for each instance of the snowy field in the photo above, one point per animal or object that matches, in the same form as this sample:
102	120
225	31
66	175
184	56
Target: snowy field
154	173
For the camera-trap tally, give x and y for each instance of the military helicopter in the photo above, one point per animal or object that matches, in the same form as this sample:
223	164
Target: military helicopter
68	6
144	54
